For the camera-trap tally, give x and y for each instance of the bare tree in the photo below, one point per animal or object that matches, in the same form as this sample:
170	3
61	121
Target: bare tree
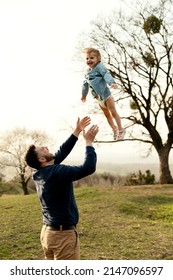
137	47
13	146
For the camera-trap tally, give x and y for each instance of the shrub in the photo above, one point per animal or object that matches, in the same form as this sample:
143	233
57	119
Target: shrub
140	178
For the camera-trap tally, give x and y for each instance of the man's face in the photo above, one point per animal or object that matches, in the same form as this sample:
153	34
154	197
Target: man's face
43	152
91	59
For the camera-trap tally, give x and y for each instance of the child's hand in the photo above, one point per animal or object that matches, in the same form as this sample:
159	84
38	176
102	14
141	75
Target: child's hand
83	99
114	86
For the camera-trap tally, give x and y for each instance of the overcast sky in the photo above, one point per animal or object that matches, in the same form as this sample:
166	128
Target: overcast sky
40	83
37	74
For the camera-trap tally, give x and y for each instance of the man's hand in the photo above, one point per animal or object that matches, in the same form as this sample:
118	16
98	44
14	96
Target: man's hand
89	136
81	124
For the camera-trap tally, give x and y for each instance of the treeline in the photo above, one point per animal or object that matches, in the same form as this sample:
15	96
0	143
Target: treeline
105	179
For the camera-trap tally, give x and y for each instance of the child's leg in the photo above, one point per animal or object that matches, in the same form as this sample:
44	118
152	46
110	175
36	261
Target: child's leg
111	108
108	117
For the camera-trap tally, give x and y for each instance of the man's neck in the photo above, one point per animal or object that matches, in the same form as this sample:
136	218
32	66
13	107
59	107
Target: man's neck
47	163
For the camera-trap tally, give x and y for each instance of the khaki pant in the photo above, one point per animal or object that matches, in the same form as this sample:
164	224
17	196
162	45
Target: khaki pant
60	245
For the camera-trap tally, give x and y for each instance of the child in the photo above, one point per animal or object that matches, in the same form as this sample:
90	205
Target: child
97	78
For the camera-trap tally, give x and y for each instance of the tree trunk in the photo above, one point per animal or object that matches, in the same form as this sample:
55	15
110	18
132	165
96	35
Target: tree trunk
165	174
25	190
24	184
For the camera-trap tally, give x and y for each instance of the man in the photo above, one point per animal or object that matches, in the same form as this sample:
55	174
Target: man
54	184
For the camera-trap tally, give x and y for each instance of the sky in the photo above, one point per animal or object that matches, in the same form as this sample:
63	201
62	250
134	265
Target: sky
37	74
40	82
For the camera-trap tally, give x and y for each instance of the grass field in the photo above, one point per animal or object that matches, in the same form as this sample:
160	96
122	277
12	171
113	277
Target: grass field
118	223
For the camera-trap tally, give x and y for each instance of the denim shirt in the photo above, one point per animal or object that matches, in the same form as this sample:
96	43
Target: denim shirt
97	78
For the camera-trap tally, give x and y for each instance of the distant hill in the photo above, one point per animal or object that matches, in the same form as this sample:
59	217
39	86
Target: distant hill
126	168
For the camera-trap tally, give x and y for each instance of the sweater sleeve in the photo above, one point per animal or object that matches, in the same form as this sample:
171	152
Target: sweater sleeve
65	149
73	173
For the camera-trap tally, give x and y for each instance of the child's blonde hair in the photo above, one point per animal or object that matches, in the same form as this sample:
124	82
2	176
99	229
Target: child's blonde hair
95	51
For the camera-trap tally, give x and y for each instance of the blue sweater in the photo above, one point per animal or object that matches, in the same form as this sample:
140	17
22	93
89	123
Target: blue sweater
54	184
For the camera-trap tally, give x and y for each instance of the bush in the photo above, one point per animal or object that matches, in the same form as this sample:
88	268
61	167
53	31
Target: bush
104	179
141	178
107	179
10	188
14	187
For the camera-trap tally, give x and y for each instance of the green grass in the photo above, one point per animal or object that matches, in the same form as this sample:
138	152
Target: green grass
134	222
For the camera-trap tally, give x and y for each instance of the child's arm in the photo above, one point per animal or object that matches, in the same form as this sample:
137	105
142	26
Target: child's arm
107	76
83	98
85	90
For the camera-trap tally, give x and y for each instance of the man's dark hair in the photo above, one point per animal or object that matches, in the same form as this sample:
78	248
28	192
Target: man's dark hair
31	158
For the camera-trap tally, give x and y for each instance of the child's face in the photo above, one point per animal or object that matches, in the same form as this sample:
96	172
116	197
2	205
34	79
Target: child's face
91	59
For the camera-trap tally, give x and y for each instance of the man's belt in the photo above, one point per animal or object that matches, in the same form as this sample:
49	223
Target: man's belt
60	227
